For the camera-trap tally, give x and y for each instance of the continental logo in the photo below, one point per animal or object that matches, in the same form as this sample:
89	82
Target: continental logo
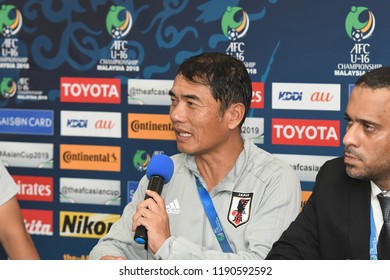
150	126
90	157
86	225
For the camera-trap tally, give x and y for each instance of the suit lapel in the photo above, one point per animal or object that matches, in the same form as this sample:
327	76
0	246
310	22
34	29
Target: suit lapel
359	217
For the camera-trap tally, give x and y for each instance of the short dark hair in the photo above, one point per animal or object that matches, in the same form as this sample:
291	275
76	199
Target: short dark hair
376	78
226	76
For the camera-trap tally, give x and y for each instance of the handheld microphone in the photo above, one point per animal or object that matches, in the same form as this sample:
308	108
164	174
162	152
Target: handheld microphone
159	172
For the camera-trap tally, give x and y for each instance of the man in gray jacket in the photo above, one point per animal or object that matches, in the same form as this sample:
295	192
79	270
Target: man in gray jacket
255	195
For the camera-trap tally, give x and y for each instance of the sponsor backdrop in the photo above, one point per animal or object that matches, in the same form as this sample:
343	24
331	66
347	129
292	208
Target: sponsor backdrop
84	94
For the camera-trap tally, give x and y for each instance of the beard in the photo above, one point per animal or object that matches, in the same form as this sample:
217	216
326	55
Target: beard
354	171
364	171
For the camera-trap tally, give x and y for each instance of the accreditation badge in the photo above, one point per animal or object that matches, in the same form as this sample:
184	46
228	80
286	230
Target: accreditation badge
240	208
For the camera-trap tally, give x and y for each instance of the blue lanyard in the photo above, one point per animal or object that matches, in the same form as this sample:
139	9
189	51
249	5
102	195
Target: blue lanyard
373	241
213	217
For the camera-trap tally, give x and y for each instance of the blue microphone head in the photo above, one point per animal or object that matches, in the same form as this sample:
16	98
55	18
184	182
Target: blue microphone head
160	165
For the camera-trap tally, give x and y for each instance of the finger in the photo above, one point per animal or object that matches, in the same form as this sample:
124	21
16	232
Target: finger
139	221
142	204
136	216
157	199
139	218
147	205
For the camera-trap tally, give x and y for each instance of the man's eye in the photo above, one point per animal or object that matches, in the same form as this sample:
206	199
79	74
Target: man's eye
369	127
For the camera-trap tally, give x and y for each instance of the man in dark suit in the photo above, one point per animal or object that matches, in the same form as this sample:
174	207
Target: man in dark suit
343	218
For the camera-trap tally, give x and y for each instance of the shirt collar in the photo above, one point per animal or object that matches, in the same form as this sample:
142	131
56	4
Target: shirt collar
375	190
234	174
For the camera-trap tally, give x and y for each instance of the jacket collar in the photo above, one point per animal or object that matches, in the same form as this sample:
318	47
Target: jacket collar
359	217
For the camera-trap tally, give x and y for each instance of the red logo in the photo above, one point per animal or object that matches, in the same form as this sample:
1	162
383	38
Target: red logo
104	124
90	90
300	132
257	95
321	96
34	188
240	208
38	222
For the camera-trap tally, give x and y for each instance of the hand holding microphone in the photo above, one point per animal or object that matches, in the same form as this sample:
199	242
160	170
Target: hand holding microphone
159	172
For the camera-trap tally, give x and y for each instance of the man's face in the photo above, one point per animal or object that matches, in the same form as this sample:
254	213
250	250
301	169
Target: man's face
196	118
367	139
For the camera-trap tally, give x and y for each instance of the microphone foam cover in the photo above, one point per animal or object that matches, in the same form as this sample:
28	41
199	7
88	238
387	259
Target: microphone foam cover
160	165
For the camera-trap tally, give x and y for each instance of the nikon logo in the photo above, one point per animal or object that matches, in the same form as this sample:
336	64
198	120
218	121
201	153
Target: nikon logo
86	225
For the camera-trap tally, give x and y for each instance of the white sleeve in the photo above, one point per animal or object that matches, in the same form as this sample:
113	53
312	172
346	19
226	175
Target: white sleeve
8	187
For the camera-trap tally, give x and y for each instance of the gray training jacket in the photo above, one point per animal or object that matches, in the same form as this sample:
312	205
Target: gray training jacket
255	202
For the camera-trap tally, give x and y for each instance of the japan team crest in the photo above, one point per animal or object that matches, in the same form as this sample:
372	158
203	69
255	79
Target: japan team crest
240	208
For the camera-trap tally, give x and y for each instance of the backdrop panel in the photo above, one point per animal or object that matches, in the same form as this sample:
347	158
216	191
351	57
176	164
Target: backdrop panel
84	93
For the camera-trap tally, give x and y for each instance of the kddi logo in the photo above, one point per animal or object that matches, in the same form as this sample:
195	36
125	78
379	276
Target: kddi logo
92	225
77	123
290	95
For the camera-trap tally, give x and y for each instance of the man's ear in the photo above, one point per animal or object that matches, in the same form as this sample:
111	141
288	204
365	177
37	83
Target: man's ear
236	114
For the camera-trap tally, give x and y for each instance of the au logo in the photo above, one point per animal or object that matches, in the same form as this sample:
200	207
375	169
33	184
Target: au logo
10	20
230	27
356	29
7	87
118	22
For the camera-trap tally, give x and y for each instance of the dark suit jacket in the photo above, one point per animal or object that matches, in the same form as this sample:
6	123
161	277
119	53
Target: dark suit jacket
335	221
